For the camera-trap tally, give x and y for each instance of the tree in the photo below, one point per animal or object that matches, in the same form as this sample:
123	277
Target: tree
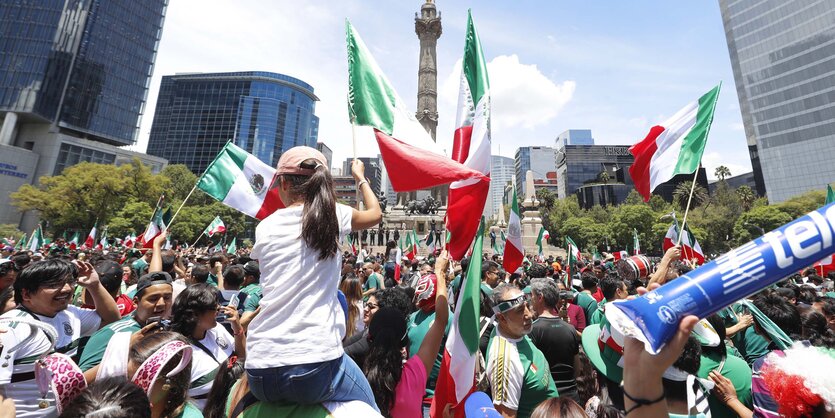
722	172
758	220
625	218
585	232
181	181
746	196
10	231
802	204
604	177
682	193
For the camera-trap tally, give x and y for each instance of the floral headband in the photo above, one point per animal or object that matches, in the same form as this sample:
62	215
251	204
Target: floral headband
150	370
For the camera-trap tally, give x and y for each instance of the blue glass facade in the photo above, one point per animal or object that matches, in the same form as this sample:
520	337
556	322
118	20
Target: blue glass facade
263	113
82	65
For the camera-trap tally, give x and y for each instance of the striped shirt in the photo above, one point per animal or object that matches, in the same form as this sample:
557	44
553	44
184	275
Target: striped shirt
764	404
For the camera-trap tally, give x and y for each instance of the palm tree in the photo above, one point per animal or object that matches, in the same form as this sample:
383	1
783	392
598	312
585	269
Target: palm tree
604	177
682	193
722	172
746	196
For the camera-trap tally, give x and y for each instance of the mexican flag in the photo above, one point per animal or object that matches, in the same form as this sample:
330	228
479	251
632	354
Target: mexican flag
167	245
233	246
636	245
470	146
674	147
129	240
542	238
241	181
158	224
429	241
103	241
90	242
595	256
513	250
21	243
216	227
573	251
36	242
73	244
620	255
830	195
350	239
410	247
413	159
690	248
456	379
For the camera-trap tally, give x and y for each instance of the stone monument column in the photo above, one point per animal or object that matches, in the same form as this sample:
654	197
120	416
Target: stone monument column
531	222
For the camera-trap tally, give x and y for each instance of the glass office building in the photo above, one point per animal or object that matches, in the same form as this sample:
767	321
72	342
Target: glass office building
81	65
540	160
783	59
263	113
581	164
502	170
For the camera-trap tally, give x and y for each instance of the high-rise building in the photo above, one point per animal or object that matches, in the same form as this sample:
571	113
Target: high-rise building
575	137
263	113
502	170
327	152
540	160
373	171
783	61
73	82
582	164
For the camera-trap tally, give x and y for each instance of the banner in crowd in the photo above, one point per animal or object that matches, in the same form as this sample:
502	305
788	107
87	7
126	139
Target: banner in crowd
513	249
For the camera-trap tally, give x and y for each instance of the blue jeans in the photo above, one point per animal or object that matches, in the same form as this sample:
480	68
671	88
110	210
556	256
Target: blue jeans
336	380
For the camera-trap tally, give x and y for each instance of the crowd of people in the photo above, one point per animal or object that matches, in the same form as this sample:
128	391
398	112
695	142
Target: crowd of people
297	327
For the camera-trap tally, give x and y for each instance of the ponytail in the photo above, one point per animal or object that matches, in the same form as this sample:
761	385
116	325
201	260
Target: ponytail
320	226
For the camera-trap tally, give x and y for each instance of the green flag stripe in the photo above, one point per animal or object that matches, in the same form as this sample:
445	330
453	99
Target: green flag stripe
468	317
474	67
371	99
219	177
830	195
693	145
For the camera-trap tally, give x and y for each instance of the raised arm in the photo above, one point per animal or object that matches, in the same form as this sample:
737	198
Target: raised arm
105	304
156	257
660	275
428	350
372	215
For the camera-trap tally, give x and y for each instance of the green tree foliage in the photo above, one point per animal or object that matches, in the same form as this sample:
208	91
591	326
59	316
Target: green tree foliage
803	204
766	218
746	196
10	231
123	198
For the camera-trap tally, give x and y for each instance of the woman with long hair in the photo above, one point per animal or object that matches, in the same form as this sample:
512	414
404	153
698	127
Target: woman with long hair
168	394
562	407
112	397
295	342
194	316
399	387
352	289
229	373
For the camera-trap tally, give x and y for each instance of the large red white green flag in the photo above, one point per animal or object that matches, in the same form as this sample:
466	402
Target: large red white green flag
90	242
413	160
674	147
471	146
456	378
241	181
73	244
514	252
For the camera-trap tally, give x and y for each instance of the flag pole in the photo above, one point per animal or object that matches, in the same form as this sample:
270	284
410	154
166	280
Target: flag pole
182	204
198	238
354	144
687	208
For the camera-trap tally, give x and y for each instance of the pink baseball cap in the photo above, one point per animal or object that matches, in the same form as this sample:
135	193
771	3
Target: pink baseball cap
291	161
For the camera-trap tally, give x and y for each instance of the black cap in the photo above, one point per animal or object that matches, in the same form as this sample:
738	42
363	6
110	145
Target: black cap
109	270
251	267
151	279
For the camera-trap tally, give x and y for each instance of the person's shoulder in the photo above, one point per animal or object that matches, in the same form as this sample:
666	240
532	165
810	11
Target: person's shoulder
76	311
191	411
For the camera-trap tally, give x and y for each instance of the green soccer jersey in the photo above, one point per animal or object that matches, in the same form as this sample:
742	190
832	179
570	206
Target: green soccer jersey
419	323
519	375
734	369
589	305
94	350
253	297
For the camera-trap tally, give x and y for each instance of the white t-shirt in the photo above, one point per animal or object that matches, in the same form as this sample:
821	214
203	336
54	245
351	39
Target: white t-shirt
301	320
204	367
71	324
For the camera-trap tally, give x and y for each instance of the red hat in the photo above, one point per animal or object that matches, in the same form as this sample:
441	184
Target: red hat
425	292
291	161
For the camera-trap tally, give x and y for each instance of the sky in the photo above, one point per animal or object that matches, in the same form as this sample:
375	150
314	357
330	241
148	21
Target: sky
614	67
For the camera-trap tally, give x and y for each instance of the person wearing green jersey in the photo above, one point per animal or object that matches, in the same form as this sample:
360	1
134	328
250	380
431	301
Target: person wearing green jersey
518	372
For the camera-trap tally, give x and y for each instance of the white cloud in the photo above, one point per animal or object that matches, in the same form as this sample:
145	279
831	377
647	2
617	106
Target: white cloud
522	96
737	126
711	160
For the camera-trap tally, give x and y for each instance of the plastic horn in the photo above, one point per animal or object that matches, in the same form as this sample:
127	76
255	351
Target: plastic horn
653	318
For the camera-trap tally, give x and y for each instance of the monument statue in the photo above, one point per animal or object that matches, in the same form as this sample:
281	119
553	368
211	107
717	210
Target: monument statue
426	206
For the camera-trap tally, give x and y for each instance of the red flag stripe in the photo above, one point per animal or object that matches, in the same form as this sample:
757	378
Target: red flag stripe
461	143
643	152
465	205
412	168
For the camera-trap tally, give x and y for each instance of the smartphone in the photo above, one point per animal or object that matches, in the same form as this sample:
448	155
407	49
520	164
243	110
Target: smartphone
162	324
